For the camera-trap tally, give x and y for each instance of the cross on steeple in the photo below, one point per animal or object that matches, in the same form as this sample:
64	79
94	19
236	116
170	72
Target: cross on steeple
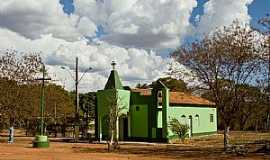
113	65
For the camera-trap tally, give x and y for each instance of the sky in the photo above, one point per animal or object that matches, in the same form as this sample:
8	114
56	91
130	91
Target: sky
137	34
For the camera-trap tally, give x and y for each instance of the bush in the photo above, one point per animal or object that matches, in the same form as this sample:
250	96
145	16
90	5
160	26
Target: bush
179	129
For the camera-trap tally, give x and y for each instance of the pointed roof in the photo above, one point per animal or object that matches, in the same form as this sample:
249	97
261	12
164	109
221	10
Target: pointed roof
114	81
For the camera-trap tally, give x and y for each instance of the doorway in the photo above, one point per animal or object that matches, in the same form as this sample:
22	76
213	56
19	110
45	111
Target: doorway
190	126
123	128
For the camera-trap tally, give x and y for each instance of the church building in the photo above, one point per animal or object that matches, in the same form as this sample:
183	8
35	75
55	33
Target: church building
146	113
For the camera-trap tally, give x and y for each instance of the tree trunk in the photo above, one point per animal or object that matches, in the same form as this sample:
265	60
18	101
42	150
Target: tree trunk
111	142
116	146
226	137
268	122
55	131
117	129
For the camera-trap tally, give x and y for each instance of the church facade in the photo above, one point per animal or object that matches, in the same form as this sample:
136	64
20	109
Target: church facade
145	113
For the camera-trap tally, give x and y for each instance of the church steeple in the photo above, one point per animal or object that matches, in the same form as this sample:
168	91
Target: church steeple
114	81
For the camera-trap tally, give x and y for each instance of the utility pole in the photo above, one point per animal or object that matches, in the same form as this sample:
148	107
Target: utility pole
41	140
268	48
77	79
55	113
77	114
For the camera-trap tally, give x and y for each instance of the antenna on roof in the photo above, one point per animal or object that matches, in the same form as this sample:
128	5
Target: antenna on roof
113	64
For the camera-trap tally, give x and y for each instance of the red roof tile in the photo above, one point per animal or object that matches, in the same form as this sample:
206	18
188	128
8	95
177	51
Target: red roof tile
185	98
178	97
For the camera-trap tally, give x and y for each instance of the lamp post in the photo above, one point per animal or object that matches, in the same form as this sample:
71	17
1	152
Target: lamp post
77	109
41	140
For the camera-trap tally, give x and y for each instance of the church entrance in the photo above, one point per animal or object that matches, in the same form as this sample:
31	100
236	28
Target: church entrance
123	128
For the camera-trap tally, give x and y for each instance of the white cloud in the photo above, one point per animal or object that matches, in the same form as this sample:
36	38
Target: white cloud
134	65
131	27
32	18
218	13
140	23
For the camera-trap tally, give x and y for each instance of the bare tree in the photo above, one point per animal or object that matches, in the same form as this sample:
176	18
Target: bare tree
222	61
265	22
19	67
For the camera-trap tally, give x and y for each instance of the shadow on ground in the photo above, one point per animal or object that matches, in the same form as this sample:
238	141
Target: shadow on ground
164	151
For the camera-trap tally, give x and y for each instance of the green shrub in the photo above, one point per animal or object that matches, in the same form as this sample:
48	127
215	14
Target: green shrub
179	129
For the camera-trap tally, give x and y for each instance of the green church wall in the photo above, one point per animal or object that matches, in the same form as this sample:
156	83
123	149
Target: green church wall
104	100
165	113
159	119
142	117
136	98
139	120
124	101
201	123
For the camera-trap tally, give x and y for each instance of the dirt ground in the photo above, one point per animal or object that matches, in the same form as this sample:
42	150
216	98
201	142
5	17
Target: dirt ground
209	147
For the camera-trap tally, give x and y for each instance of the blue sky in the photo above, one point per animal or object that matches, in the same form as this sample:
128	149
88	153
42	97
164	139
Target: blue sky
68	6
257	10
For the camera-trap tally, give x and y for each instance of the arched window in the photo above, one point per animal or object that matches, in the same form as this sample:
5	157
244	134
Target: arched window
183	119
197	120
211	118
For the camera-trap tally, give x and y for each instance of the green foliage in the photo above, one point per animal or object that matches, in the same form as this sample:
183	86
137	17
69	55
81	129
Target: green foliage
179	129
16	99
172	83
20	103
88	103
253	109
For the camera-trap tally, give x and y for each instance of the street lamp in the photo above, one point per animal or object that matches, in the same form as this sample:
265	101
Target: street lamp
77	80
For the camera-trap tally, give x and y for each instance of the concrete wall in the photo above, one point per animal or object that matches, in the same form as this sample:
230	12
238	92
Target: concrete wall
200	118
139	120
139	115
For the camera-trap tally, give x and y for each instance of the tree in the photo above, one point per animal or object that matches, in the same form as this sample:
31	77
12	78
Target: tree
179	129
115	111
88	103
265	22
252	109
222	61
19	67
172	83
16	70
19	103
